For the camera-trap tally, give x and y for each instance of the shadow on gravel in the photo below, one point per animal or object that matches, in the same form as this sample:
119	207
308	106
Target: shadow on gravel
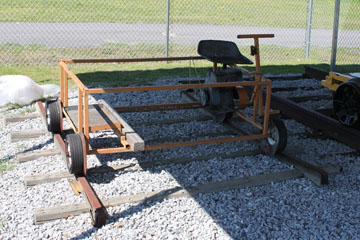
157	155
133	77
32	148
149	202
146	77
87	234
240	212
38	146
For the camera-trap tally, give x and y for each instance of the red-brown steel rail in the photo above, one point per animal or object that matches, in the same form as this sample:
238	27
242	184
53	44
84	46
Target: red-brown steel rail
97	209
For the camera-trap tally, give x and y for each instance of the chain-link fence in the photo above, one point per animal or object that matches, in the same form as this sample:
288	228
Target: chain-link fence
41	32
348	51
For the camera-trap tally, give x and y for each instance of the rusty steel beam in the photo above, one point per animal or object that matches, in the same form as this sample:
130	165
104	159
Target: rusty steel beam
41	109
158	107
316	174
127	60
313	72
329	126
97	209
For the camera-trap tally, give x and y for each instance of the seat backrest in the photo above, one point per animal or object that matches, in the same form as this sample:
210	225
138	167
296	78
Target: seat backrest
224	52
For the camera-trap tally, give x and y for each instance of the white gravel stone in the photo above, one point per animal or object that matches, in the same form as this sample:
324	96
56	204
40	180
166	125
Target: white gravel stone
294	209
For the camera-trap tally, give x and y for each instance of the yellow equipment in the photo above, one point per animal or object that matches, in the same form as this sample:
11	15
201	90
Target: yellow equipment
346	99
333	80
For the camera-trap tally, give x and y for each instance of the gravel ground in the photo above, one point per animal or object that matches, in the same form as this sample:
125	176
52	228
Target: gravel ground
294	209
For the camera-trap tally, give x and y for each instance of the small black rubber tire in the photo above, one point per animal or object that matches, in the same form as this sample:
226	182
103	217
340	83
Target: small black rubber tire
47	114
75	154
204	97
53	116
346	100
278	126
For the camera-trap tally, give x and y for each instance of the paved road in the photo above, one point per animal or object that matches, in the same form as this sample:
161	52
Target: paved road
98	34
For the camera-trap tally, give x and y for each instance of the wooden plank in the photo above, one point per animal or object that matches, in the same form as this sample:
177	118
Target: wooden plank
46	178
51	177
226	185
135	141
19	118
52	213
98	119
26	134
184	160
29	156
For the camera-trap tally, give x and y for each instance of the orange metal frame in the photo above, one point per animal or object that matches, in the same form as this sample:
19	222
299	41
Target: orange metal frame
83	100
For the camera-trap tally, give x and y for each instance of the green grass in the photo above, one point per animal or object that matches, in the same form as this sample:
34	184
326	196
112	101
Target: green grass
40	74
6	166
2	225
145	73
10	106
279	13
23	110
21	147
287	60
41	55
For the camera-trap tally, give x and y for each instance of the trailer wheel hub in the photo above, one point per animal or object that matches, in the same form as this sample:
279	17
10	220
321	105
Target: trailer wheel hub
346	102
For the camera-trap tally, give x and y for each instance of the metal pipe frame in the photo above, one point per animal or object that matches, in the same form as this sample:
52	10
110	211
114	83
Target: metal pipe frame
83	105
257	96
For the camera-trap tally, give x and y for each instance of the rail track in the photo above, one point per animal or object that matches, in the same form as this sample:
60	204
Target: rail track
320	120
318	175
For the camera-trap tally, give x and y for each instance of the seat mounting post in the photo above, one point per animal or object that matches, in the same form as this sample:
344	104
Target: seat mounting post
214	67
257	96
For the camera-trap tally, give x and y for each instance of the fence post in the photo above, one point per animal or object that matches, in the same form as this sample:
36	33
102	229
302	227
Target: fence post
167	28
308	28
335	35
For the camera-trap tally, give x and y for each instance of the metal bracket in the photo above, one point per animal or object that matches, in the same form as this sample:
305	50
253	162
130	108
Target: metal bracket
253	50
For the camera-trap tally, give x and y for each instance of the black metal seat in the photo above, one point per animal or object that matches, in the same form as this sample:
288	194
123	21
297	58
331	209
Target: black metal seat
224	52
